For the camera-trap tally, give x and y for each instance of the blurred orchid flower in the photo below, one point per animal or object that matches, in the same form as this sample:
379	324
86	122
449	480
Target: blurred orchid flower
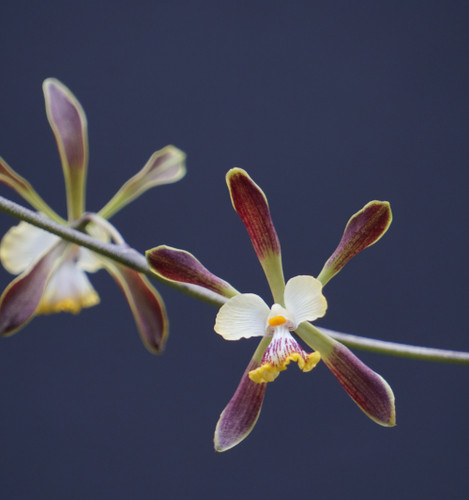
52	272
296	303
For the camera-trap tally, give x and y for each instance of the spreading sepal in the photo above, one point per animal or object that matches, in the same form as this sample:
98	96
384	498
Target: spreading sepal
369	390
181	266
23	295
251	205
163	167
363	229
68	122
146	304
19	184
240	415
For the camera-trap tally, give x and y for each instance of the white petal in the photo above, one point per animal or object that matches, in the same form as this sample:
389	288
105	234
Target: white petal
87	259
22	245
243	316
304	299
68	289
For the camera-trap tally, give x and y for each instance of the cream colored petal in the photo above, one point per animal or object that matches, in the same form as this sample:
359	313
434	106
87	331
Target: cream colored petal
304	299
22	245
88	260
68	289
243	316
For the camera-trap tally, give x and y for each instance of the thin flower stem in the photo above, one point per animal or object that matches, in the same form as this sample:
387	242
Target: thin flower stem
131	258
401	350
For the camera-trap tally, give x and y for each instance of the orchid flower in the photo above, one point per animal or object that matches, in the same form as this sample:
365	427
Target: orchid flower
52	271
296	304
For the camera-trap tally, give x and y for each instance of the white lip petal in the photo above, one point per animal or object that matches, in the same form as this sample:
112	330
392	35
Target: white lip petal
304	299
22	245
68	289
243	316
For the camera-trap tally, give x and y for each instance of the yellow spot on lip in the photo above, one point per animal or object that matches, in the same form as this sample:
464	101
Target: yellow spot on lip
277	320
70	305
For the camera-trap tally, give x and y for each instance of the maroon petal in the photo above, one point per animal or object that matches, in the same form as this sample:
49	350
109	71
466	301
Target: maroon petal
363	229
19	184
68	122
164	167
146	304
181	266
241	414
251	205
21	298
14	180
368	389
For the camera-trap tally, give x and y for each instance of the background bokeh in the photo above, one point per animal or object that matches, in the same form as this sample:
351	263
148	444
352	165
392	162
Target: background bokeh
327	105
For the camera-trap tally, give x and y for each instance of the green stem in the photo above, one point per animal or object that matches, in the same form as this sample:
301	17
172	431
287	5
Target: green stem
134	260
401	350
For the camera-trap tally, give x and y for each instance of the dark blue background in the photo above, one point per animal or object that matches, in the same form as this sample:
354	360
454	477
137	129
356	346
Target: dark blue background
327	105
